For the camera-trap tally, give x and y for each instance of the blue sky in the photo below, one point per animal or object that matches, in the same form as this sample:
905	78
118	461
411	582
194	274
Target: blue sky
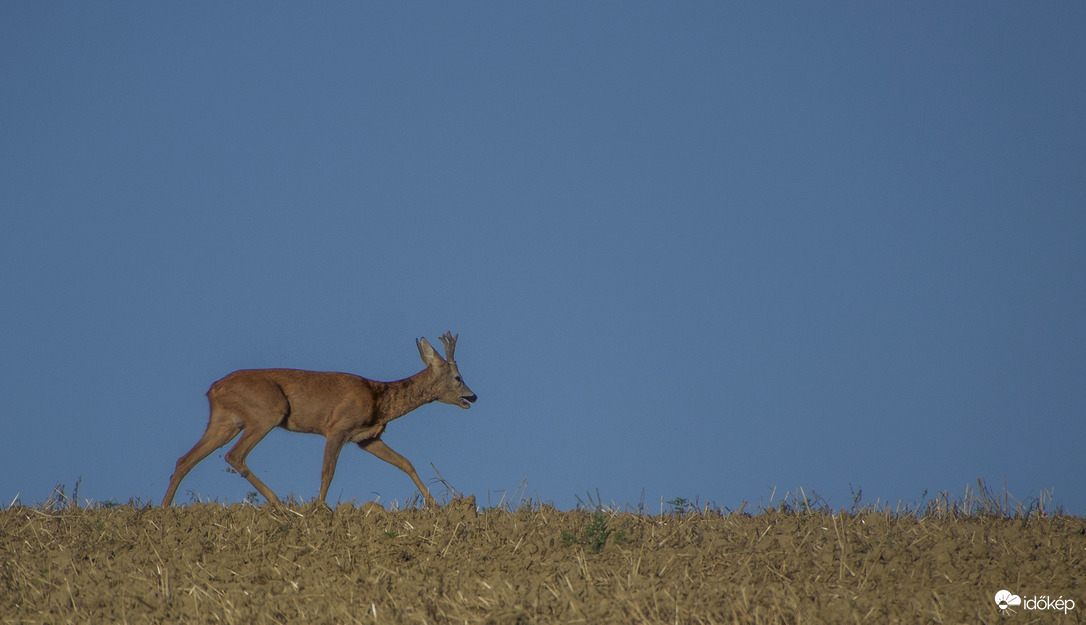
698	250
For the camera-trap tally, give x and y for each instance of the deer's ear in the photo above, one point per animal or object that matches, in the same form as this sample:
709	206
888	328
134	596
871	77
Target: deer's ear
429	356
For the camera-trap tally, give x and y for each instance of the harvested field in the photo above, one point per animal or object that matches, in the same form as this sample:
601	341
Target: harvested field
209	563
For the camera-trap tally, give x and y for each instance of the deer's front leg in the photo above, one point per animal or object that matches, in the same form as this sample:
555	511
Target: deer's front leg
378	448
331	457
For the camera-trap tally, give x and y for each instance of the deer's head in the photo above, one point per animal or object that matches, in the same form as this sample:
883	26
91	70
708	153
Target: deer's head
450	386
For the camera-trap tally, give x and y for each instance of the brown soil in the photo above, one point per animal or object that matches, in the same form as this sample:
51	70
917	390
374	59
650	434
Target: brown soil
207	563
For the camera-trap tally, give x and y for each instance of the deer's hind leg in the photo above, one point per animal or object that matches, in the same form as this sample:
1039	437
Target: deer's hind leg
221	429
258	405
252	435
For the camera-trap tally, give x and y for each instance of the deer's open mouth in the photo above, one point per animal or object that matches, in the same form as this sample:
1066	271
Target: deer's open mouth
467	400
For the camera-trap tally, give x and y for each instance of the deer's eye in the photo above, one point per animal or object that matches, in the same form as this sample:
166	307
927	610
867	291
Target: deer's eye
457	378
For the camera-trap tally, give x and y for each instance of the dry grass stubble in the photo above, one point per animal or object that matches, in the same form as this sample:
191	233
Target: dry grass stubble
209	563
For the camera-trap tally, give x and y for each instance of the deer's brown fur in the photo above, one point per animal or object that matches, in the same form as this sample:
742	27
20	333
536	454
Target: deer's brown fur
339	406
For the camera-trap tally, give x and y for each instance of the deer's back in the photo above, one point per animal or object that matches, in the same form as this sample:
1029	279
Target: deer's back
305	398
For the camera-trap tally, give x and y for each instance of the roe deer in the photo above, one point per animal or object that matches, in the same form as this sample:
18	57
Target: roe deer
339	406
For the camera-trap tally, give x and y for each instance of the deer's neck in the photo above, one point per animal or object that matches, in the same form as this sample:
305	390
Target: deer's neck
402	396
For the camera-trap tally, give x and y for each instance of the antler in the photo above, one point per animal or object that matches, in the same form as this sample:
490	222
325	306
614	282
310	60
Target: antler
450	345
